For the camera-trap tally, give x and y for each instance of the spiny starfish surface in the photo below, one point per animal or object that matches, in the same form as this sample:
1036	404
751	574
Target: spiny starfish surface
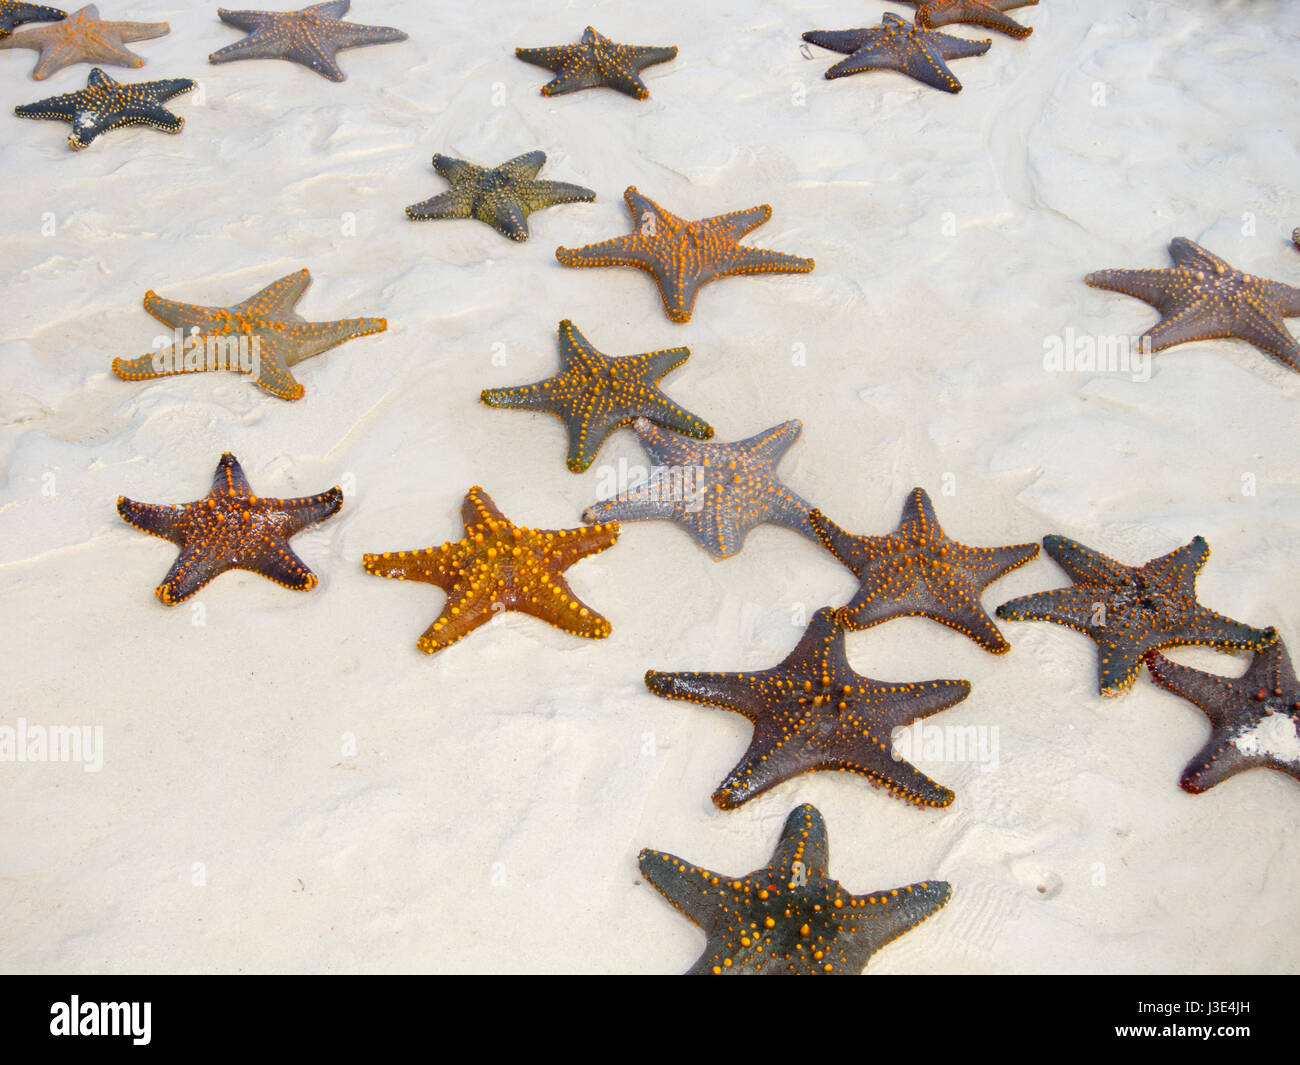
231	528
223	338
918	570
106	104
897	45
1254	718
812	712
789	916
986	13
13	14
596	61
683	255
503	196
313	36
716	491
594	394
497	566
1203	298
83	37
1130	610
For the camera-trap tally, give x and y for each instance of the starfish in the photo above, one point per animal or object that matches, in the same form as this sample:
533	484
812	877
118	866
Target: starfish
83	38
313	36
789	917
231	528
987	13
1203	298
716	491
106	104
14	14
1130	610
503	197
813	712
596	61
594	394
497	566
1254	718
918	570
684	255
897	45
263	336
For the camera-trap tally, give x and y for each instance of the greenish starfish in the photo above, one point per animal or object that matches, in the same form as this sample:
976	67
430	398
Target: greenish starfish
503	197
106	104
594	394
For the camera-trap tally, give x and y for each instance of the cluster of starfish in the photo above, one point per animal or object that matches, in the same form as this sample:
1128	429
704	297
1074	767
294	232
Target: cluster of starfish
918	49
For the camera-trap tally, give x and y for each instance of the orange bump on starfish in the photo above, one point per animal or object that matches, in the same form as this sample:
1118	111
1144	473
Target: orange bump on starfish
498	566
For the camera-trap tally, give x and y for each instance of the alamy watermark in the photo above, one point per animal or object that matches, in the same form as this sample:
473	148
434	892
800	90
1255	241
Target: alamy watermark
947	743
657	484
53	743
1072	353
181	353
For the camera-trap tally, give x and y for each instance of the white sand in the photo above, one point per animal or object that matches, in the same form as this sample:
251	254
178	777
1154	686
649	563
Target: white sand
491	814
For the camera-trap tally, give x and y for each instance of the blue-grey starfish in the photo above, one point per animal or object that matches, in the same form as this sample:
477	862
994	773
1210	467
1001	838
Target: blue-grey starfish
14	14
312	36
596	61
106	104
593	394
1203	298
1130	610
716	491
503	197
1254	718
789	916
813	711
898	45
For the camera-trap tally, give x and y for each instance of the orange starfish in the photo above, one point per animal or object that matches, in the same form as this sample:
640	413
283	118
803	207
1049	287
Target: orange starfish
684	255
83	38
498	566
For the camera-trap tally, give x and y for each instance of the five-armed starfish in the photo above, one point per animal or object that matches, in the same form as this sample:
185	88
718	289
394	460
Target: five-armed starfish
1130	610
986	13
83	37
1254	718
503	197
263	337
813	711
1203	298
596	61
897	45
716	491
918	570
313	36
106	104
497	566
231	528
594	394
684	255
13	14
790	916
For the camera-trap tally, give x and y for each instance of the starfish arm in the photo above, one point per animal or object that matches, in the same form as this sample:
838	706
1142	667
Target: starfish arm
1196	321
567	546
769	445
630	250
896	912
1264	329
1189	254
478	509
899	705
1150	286
521	397
330	8
466	609
556	59
626	81
16	14
840	543
647	55
259	44
506	216
248	21
897	776
1179	567
229	479
991	563
66	107
441	566
563	609
1284	298
1074	607
354	35
524	167
311	338
665	360
194	567
663	411
1083	564
804	840
156	519
279	297
157	117
539	194
688	887
168	362
278	562
315	54
979	13
638	503
745	260
306	511
846	42
458	171
926	64
140	31
454	203
1207	691
948	47
167	88
1218	760
184	316
273	370
1201	626
742	693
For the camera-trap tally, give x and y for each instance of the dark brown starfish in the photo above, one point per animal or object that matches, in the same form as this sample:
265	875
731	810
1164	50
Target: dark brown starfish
814	712
1254	718
231	528
986	13
918	570
790	916
1203	298
1130	610
496	566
